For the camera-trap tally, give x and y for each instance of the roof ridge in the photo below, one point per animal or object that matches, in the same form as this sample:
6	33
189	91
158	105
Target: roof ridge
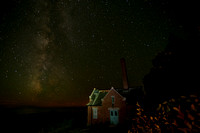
112	88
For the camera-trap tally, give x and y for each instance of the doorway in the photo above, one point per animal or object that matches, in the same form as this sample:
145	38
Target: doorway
114	116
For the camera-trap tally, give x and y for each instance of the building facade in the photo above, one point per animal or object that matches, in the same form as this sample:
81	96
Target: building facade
106	107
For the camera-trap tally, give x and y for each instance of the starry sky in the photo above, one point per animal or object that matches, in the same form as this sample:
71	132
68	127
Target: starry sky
54	52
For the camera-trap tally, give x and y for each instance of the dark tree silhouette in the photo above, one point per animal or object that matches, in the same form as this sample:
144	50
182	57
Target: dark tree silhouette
174	71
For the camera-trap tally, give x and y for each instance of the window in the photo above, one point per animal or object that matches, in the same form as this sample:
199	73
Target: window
94	110
111	113
113	100
116	113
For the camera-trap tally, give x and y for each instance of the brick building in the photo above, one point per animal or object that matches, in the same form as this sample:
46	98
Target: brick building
106	106
113	106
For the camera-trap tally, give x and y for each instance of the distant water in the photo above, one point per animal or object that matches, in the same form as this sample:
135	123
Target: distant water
42	120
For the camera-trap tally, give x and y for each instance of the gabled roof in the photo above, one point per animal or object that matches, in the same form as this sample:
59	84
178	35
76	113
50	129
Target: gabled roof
130	95
112	88
96	96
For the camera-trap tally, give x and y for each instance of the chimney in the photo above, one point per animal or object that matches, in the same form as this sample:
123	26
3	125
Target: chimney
124	73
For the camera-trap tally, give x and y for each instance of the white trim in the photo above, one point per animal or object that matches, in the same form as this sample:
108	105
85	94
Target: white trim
124	99
93	92
112	88
118	93
96	95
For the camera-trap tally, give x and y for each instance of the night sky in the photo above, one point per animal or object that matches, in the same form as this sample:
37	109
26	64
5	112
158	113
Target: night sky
54	52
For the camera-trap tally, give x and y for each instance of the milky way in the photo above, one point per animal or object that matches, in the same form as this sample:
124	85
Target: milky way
42	42
47	74
56	52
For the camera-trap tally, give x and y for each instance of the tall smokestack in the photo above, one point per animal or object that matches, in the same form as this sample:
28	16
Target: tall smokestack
124	73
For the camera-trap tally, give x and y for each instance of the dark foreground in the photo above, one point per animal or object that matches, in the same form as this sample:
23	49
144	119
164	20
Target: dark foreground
39	120
48	120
